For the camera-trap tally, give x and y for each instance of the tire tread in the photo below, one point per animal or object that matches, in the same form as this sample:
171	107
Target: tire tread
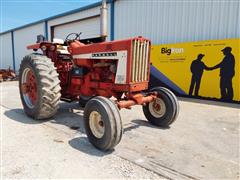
48	82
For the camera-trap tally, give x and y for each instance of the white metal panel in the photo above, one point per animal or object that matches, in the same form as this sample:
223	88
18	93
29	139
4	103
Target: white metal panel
6	58
76	16
89	28
177	21
79	16
23	38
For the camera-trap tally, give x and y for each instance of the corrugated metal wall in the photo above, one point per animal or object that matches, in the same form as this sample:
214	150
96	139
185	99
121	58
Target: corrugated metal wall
6	58
177	21
23	38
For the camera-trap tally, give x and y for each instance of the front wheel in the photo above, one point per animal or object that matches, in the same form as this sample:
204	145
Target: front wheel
103	123
164	110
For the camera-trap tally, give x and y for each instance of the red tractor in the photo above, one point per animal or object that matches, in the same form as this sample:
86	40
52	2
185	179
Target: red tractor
92	74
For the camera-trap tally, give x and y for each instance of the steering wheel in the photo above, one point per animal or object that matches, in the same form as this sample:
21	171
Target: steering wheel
76	36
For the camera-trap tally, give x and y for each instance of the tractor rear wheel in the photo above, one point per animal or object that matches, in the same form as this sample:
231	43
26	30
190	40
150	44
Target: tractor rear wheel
39	86
164	110
103	123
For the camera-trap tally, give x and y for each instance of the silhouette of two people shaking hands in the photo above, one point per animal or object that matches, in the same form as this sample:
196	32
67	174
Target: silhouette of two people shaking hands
227	72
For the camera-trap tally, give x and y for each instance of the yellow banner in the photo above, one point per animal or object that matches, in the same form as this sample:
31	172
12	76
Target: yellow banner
209	69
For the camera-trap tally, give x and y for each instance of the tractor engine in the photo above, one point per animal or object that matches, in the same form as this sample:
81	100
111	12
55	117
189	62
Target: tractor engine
107	68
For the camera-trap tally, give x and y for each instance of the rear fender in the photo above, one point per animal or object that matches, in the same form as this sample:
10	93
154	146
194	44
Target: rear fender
39	45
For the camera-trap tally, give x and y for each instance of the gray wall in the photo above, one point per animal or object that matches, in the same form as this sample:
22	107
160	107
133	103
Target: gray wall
23	38
177	21
6	58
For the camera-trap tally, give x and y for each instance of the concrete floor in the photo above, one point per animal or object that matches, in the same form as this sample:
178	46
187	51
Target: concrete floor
202	144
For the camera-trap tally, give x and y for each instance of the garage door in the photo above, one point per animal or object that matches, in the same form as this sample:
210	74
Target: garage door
90	28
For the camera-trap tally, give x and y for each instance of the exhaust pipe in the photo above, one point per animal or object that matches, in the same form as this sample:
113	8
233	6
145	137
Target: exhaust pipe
103	21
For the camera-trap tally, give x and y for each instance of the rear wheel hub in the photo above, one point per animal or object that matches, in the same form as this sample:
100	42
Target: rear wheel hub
29	88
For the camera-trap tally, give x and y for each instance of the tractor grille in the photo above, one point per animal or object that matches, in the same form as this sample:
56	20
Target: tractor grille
140	60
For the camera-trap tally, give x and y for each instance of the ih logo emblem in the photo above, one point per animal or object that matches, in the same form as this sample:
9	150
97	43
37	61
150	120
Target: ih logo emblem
104	54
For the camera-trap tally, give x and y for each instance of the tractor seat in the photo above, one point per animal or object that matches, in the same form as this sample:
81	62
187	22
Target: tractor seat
60	46
62	49
58	41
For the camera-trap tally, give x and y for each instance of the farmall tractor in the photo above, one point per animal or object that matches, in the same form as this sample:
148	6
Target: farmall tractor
104	77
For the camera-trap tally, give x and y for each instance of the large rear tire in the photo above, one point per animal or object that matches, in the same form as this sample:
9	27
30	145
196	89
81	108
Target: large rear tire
103	123
164	110
39	86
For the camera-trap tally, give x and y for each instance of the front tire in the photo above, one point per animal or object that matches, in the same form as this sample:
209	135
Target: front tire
39	86
103	123
164	110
